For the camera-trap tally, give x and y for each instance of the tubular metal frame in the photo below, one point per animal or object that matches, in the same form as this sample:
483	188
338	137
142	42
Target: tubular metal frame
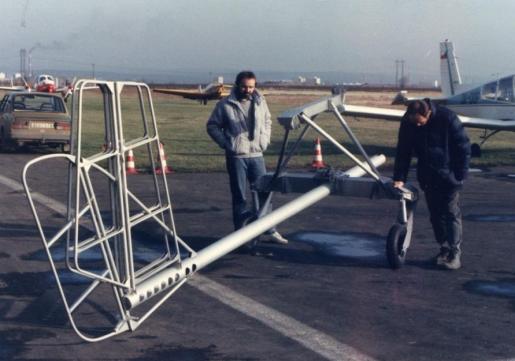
377	186
115	242
132	287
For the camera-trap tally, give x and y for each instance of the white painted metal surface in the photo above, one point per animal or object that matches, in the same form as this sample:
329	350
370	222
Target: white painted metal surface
110	230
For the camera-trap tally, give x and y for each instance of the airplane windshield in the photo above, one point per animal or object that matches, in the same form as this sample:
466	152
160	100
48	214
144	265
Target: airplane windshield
499	91
489	91
505	91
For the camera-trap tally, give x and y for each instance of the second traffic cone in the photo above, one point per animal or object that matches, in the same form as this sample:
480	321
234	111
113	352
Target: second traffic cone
161	159
318	162
131	165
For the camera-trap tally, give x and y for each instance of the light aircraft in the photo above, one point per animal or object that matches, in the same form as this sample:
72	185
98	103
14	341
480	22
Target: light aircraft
44	83
47	84
213	91
490	106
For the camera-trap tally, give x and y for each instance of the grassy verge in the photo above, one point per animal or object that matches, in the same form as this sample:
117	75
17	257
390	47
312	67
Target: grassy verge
181	125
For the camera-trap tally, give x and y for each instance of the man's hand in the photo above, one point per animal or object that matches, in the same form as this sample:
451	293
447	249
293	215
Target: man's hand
398	184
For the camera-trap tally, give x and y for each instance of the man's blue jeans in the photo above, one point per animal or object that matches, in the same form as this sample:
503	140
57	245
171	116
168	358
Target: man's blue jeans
240	171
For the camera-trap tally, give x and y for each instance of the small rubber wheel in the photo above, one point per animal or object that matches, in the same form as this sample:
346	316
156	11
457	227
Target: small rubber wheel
475	150
394	243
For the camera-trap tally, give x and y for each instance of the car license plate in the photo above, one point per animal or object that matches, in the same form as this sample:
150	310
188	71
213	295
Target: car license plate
41	125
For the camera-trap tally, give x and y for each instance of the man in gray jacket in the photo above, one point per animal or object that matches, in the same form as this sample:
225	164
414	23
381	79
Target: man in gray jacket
241	124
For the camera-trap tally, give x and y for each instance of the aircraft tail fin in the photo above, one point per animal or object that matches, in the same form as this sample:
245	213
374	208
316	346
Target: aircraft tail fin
449	72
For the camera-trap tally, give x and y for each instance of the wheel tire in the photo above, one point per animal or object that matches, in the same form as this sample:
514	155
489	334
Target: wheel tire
394	243
475	150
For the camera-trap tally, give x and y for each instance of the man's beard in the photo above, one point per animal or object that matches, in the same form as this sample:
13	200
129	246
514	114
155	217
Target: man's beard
243	95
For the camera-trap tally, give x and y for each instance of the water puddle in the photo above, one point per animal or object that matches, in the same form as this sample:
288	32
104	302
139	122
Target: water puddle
492	288
13	342
6	352
69	278
141	254
504	176
354	245
490	217
197	210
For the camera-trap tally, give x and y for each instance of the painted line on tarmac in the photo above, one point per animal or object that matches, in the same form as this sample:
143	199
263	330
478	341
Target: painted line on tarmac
37	197
314	340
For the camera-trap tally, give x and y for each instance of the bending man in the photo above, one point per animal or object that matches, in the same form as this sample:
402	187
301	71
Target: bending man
435	135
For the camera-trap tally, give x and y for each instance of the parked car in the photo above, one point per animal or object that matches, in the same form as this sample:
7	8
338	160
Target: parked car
31	118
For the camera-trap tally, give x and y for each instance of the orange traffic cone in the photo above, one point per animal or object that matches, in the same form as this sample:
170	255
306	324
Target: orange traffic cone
318	162
131	165
161	159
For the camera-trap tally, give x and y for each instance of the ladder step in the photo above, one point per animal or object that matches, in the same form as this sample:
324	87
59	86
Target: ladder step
94	240
143	216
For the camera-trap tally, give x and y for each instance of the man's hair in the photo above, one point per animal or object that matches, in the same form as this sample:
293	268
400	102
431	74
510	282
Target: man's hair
246	74
418	107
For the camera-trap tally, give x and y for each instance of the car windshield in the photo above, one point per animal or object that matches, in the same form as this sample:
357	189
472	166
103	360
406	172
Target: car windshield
40	103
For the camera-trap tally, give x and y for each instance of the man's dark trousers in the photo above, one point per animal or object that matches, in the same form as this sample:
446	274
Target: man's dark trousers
445	215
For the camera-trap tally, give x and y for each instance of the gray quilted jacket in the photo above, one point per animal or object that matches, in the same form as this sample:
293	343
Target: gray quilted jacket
228	128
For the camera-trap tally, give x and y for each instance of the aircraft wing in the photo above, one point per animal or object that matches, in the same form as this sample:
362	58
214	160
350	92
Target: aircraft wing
188	94
372	112
485	123
396	114
12	88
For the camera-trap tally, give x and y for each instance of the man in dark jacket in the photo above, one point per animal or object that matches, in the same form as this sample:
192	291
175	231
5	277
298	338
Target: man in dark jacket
241	124
435	135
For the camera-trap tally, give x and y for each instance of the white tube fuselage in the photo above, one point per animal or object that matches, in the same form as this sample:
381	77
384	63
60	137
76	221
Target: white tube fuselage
229	243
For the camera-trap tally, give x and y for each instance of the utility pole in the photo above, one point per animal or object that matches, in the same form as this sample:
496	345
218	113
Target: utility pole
23	63
399	81
397	73
402	85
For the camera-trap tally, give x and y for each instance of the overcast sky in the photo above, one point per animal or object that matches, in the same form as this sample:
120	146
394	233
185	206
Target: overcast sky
298	35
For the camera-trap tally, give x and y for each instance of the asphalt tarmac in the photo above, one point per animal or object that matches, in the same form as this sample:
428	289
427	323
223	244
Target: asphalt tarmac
327	295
